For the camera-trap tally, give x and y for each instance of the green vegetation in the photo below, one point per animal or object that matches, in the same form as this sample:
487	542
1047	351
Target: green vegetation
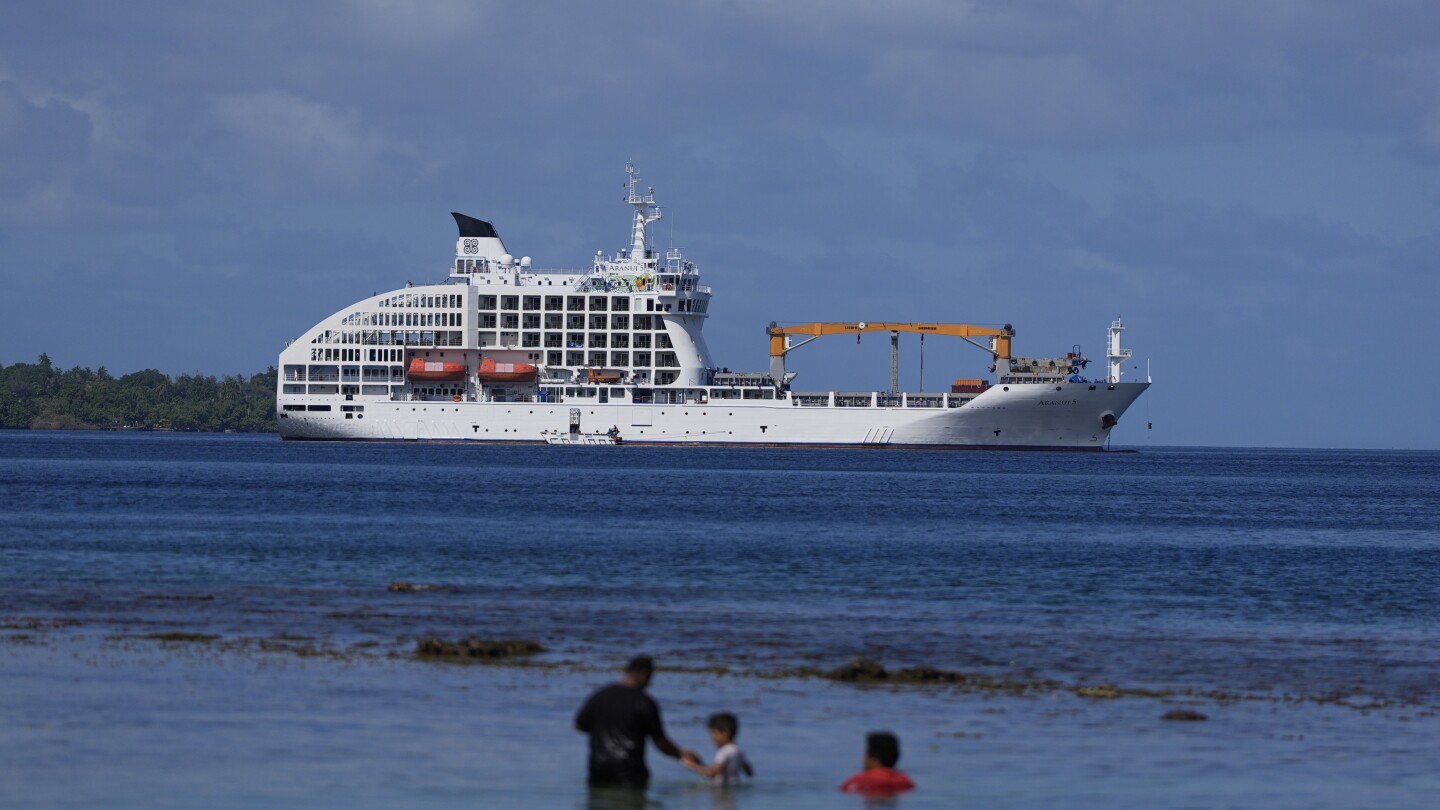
38	395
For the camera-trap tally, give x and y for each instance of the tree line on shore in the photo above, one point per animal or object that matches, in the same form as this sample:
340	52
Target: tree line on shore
40	396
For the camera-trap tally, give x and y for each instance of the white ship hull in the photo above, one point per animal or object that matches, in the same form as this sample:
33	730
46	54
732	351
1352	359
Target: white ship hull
1024	417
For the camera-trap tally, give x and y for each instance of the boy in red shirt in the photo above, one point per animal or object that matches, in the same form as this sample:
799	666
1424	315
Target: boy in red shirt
882	751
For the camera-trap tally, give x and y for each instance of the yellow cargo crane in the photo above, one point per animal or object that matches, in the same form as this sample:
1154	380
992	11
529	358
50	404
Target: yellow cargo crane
780	340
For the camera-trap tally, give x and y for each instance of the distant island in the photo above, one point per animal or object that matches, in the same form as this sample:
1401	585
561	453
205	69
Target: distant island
42	397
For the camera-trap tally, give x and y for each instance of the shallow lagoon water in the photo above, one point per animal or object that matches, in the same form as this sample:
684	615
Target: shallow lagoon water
1291	593
149	727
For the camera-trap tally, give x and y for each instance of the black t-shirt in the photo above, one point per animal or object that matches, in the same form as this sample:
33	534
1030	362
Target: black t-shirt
618	718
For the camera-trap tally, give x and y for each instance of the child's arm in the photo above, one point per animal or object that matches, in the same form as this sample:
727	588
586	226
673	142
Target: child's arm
707	771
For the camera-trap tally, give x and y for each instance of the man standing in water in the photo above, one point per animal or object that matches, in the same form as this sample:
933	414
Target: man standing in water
618	719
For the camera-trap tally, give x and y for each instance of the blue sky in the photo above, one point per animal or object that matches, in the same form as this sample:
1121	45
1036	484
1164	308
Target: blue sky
1254	186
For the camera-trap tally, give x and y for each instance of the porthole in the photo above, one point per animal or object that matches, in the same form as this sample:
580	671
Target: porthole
1058	388
1007	388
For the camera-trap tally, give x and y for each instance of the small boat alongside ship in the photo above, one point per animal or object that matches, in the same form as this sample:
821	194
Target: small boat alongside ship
502	351
575	436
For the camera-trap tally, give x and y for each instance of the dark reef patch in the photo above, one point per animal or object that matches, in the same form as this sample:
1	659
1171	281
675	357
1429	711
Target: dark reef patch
401	586
476	648
179	637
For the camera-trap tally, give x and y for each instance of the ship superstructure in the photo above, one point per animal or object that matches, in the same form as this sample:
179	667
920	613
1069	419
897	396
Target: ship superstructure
504	351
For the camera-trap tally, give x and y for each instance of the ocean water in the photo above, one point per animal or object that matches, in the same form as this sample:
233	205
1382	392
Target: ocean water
205	620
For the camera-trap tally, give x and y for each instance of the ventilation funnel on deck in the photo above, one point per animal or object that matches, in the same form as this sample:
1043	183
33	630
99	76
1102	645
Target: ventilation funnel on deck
478	240
472	227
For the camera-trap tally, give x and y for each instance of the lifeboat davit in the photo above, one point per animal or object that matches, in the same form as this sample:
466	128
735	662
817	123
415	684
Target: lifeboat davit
421	369
491	371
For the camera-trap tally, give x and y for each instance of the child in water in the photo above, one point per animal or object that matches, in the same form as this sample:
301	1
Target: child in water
882	752
730	761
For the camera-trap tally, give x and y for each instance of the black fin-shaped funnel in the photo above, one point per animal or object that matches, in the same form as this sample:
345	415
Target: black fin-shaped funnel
470	226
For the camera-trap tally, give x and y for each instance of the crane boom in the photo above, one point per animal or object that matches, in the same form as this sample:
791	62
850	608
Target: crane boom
780	345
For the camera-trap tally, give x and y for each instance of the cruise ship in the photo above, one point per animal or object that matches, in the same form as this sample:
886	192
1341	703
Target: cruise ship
502	351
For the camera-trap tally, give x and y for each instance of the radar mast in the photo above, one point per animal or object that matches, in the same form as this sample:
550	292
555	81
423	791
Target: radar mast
646	212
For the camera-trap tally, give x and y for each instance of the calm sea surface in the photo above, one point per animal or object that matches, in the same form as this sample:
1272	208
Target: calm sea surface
1293	597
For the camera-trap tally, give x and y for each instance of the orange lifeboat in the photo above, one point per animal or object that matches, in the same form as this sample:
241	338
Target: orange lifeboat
421	369
491	371
605	376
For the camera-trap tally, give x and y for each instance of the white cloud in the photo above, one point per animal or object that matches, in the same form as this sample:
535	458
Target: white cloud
286	133
1117	72
42	123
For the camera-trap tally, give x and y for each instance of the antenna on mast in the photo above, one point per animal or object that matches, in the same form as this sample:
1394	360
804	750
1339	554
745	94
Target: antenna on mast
646	211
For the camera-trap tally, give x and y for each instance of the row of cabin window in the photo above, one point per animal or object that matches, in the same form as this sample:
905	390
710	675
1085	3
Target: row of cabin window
556	303
407	319
425	301
454	318
578	340
532	341
558	321
334	355
600	340
553	338
319	373
335	373
578	303
320	354
414	336
623	359
388	319
428	318
592	357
